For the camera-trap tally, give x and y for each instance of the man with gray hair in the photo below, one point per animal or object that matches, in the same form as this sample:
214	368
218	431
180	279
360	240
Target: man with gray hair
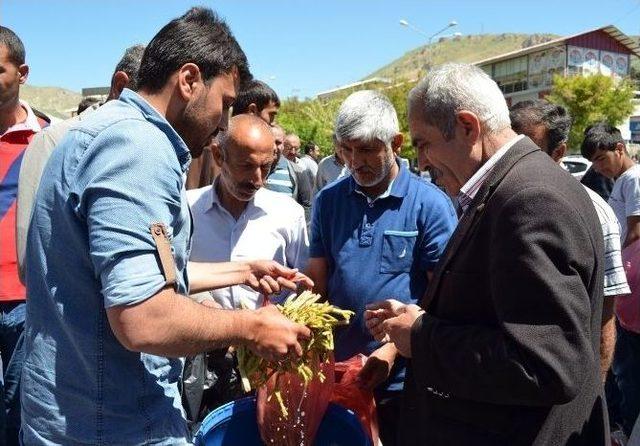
374	235
504	346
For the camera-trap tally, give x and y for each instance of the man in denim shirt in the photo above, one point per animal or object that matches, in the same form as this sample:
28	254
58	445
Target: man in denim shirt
106	311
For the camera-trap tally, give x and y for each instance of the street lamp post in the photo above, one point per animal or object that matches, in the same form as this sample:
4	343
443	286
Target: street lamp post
409	25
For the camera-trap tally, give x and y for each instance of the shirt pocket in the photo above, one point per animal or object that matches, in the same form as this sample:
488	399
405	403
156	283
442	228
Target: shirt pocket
397	251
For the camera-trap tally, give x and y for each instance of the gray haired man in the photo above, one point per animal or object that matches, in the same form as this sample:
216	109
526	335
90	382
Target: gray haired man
374	235
504	346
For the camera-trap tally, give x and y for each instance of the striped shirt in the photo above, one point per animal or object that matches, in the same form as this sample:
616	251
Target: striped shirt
280	179
472	186
615	279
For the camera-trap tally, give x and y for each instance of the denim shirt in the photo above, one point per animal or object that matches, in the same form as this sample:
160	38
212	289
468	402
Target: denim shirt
90	248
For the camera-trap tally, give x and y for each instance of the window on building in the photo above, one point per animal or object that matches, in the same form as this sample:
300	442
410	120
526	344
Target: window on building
511	75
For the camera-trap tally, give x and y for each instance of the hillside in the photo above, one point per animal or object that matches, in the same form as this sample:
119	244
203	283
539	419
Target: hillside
469	48
53	101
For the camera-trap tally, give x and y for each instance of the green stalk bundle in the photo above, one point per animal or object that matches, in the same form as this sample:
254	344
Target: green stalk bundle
320	318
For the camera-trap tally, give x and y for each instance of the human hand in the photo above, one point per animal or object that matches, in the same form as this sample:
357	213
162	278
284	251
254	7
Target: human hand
272	336
377	367
378	312
398	329
269	277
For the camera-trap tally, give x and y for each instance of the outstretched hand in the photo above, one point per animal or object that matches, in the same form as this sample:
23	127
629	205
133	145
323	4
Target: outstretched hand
270	277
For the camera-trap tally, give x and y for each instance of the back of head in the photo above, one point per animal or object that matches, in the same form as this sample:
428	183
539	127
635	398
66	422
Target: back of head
527	115
365	116
130	64
14	46
254	92
309	147
199	37
85	103
453	87
600	136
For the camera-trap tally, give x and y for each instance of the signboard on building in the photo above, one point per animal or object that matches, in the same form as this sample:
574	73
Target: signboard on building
543	65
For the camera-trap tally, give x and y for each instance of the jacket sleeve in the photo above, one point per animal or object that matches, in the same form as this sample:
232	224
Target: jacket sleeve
540	351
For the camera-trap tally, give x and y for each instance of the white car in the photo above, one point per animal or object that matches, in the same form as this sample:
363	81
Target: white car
576	165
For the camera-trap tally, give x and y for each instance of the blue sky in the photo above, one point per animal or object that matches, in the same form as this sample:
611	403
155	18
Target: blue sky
299	47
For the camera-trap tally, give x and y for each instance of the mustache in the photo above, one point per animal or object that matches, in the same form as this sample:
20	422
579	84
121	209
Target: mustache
248	187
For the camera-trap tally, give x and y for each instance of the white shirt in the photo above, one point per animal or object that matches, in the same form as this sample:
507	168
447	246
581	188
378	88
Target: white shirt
309	164
272	227
615	279
329	170
625	197
472	186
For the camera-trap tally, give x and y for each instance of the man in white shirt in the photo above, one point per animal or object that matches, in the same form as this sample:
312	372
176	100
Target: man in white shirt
237	219
548	125
604	146
330	169
310	158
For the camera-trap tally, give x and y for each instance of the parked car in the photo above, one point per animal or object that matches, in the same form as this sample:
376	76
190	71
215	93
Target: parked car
576	165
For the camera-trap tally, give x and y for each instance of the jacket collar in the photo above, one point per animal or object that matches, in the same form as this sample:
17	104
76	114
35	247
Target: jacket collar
522	148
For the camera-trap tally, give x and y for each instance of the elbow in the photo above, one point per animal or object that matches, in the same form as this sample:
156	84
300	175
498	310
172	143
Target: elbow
135	336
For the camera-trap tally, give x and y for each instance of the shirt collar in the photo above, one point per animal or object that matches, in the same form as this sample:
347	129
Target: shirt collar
398	187
472	186
30	124
152	115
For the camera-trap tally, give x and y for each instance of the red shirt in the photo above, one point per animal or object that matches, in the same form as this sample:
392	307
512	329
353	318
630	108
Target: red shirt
12	146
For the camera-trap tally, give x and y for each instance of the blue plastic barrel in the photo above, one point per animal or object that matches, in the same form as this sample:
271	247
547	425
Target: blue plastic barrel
235	424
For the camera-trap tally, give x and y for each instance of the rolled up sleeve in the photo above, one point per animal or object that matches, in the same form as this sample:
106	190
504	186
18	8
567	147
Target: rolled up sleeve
125	191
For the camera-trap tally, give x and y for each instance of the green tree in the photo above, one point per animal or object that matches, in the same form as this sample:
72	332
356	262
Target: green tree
590	99
313	119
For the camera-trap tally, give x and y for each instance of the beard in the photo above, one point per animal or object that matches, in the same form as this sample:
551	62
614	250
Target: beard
384	171
194	128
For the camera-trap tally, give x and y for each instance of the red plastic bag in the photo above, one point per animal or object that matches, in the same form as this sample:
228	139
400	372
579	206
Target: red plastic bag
305	406
627	307
348	393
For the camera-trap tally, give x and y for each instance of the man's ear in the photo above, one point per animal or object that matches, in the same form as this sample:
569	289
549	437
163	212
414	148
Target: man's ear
559	152
189	77
469	126
621	148
119	81
396	143
23	71
252	109
218	156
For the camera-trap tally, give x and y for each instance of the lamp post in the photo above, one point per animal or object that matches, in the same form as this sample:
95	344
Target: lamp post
409	25
430	38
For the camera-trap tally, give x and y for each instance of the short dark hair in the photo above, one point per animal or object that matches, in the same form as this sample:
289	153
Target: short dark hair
199	37
130	64
555	119
87	102
600	136
309	147
13	44
254	92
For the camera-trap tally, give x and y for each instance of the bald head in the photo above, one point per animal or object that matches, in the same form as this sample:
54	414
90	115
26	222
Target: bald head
245	154
247	133
291	146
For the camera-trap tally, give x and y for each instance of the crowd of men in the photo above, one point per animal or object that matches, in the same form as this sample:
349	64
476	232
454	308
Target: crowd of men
493	307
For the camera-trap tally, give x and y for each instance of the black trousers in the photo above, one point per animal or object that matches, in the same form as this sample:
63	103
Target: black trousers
388	405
